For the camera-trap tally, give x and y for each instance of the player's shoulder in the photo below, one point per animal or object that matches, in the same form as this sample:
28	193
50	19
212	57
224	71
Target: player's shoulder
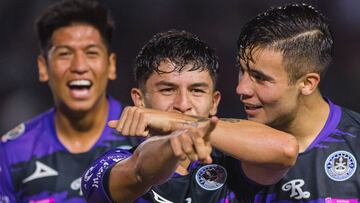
28	130
351	116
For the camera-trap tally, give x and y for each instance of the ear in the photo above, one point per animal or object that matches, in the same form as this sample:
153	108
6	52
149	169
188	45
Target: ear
137	97
215	101
309	83
112	66
42	68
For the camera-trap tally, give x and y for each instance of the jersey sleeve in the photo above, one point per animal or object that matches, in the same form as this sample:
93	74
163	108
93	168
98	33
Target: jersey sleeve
92	181
6	187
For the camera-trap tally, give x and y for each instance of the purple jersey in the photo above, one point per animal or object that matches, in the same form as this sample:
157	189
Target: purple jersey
35	167
220	182
327	171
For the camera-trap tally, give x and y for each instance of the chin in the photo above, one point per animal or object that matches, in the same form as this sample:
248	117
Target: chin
81	107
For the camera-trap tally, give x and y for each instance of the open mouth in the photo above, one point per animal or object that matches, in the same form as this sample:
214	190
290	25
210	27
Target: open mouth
80	84
80	89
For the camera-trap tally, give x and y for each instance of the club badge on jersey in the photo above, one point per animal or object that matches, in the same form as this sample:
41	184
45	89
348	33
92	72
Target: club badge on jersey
14	133
211	177
340	165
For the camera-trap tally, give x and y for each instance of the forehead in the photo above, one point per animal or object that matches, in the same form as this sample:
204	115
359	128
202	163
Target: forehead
185	77
76	34
266	59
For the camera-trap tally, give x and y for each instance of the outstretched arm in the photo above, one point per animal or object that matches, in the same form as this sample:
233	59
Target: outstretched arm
155	160
265	153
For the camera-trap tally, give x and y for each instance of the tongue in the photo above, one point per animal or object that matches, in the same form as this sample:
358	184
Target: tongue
80	93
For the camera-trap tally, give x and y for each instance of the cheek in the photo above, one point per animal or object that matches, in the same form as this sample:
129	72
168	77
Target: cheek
203	106
268	97
159	102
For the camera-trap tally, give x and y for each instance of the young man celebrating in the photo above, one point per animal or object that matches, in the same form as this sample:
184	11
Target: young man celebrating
283	53
176	73
42	160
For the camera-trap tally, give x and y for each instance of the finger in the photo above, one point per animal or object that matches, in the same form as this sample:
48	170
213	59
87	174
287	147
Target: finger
128	121
188	147
134	122
201	148
210	127
176	148
142	126
122	120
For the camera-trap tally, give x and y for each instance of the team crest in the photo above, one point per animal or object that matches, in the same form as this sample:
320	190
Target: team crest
211	177
340	165
14	133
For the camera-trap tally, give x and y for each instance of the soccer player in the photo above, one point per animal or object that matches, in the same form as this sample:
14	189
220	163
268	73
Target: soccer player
176	75
42	159
283	54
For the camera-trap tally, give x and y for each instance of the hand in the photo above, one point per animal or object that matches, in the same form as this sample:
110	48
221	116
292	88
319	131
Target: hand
194	143
136	121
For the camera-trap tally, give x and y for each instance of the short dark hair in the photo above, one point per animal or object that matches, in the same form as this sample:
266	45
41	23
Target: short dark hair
68	12
181	48
299	31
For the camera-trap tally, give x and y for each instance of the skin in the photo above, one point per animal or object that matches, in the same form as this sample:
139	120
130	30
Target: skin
77	53
268	96
183	111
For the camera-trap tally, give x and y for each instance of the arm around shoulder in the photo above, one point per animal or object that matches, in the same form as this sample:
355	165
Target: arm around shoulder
264	152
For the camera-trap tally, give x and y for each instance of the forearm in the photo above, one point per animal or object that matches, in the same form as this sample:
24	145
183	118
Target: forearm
156	161
152	163
255	143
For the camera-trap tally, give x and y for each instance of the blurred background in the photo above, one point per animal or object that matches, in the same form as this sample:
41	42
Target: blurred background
216	22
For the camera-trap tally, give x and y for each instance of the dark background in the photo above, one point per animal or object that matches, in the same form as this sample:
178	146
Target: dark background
216	22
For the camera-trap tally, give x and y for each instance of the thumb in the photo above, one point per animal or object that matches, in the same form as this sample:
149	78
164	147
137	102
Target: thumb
113	123
210	126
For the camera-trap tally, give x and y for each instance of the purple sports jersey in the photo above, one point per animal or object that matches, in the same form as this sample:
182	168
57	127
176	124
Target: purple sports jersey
220	182
35	167
327	171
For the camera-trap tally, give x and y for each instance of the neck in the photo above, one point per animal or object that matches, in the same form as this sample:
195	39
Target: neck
309	120
79	131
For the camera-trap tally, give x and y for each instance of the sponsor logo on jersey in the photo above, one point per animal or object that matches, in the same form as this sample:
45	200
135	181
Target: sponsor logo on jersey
296	192
4	199
125	147
76	185
211	177
46	200
41	171
340	165
14	133
160	199
333	200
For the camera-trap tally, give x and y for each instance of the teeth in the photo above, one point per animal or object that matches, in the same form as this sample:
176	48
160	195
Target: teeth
252	106
80	83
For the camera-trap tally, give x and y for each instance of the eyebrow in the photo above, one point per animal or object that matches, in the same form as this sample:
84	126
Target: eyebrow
260	72
170	84
62	46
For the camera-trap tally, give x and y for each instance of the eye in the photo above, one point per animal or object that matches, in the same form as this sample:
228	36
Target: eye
258	77
63	54
92	53
167	91
198	91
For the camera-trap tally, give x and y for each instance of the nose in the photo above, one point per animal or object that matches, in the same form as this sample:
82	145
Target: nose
182	103
79	63
244	87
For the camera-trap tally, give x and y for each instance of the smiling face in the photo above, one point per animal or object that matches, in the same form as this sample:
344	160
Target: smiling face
265	91
77	67
188	92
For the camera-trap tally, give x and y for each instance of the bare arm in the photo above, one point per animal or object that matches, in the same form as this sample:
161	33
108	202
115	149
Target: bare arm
154	161
265	153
